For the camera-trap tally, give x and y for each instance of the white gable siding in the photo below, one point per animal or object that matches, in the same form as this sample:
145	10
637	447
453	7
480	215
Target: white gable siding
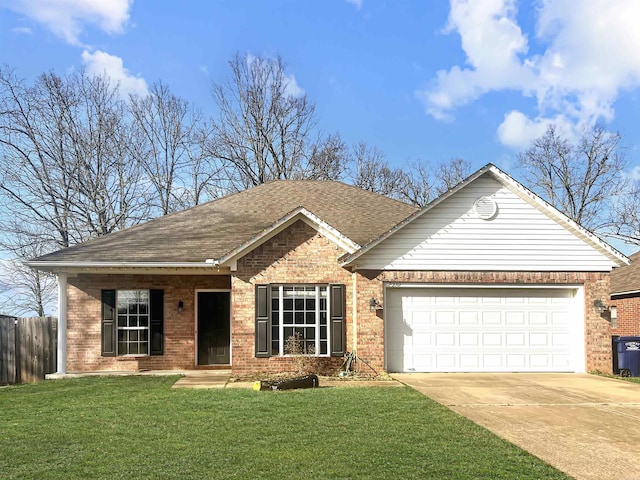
451	236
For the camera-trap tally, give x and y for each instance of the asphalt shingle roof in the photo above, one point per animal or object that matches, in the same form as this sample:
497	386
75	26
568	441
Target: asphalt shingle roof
627	278
213	229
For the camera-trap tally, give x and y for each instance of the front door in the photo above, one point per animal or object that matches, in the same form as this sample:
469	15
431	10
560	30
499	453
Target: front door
214	330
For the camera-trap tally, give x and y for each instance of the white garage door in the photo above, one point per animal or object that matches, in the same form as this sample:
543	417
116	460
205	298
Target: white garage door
482	329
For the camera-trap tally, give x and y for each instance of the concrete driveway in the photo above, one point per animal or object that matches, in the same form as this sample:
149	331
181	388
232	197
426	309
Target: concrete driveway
584	425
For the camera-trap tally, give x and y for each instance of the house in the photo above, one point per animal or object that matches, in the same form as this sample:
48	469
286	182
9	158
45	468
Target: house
488	277
625	299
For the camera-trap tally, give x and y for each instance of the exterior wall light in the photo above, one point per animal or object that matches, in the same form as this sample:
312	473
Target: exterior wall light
599	306
180	306
374	305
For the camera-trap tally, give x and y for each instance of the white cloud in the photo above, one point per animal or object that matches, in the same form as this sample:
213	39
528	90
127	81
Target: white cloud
591	53
292	88
98	63
357	3
21	30
67	18
633	174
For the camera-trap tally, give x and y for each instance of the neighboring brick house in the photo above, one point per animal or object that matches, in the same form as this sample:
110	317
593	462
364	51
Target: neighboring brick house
625	299
488	277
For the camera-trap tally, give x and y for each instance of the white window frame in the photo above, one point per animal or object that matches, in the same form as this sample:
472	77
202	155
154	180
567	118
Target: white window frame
128	328
317	325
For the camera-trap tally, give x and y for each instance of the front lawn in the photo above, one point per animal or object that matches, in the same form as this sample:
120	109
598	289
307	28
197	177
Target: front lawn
138	427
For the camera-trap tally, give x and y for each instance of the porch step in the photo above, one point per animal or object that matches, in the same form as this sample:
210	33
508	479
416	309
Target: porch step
203	379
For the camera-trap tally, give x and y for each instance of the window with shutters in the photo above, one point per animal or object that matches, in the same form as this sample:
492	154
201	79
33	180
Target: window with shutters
132	324
299	317
308	317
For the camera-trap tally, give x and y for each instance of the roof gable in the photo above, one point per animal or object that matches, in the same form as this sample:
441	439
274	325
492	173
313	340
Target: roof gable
526	234
282	224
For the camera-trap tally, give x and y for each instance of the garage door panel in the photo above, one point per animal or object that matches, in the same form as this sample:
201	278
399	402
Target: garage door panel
493	362
445	339
470	339
446	361
480	329
514	318
444	317
422	339
420	318
469	318
515	339
470	361
490	339
491	318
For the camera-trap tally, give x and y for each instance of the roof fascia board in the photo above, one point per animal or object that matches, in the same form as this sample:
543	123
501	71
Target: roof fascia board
282	224
628	292
183	268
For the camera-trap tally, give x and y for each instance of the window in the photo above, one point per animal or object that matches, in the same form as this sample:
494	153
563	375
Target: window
308	317
299	319
133	322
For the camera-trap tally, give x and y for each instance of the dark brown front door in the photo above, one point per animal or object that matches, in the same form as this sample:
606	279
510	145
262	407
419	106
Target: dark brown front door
214	328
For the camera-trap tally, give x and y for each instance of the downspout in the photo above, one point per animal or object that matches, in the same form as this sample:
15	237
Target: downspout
62	323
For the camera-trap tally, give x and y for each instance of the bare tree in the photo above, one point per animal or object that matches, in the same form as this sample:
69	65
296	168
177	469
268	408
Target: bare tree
204	175
451	173
35	181
328	159
263	127
371	171
63	164
163	124
421	182
27	290
579	179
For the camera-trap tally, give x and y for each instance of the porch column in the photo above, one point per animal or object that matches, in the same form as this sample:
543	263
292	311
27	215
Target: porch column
354	309
62	323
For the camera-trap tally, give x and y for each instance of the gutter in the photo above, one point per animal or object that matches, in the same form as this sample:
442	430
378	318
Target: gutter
51	264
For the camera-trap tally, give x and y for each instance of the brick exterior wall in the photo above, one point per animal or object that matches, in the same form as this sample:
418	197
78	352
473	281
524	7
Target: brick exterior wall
84	311
628	322
297	255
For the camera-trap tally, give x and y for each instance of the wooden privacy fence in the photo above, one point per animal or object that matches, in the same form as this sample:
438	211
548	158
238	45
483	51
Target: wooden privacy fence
28	348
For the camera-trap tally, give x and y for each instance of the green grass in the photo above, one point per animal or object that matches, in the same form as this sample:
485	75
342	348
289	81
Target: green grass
618	377
138	427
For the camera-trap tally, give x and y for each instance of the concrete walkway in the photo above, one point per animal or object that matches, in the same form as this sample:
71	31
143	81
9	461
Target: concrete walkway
584	425
222	379
216	379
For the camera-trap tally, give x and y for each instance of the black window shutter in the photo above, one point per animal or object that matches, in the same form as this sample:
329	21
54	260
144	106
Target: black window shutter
336	314
263	324
157	321
108	323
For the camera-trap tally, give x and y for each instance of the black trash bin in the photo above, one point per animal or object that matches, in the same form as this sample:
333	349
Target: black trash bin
627	355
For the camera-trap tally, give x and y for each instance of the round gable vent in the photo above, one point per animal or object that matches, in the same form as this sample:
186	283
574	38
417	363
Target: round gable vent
486	208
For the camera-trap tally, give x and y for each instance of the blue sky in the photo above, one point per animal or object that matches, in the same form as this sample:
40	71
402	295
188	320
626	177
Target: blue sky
427	80
430	80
